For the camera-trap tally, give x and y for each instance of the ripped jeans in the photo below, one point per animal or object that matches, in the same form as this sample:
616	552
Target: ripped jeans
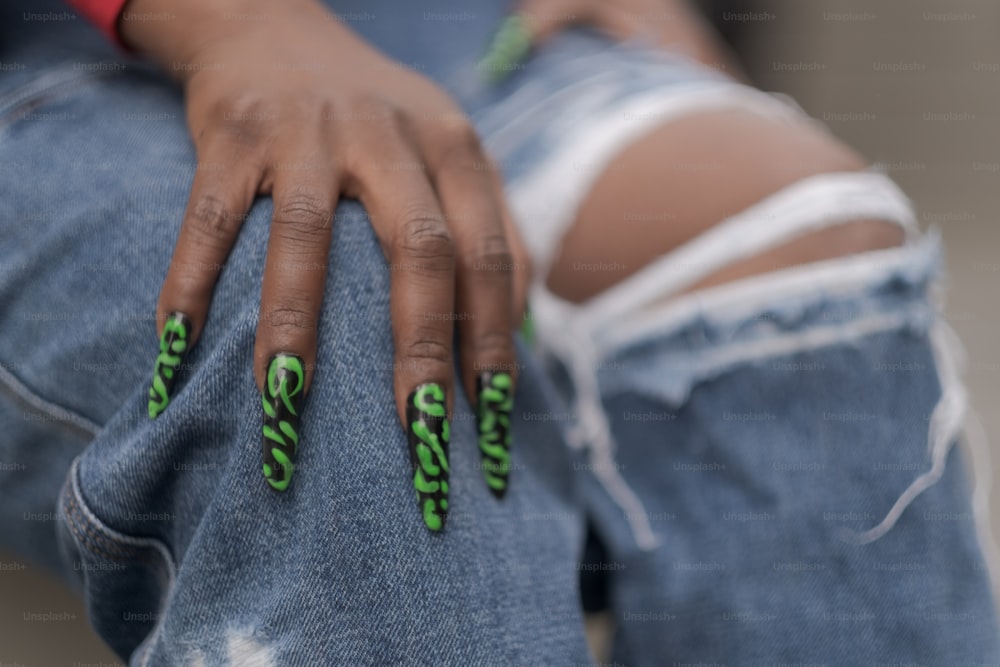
749	456
769	466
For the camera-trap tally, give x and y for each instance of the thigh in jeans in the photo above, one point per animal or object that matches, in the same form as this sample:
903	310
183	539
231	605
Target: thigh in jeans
789	442
185	555
771	462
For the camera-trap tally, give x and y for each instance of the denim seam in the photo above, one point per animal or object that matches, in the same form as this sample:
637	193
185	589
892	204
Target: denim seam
104	541
57	412
93	542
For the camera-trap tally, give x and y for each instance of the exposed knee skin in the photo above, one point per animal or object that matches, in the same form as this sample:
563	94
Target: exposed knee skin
689	175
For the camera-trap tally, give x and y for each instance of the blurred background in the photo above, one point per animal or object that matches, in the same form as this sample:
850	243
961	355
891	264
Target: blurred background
913	84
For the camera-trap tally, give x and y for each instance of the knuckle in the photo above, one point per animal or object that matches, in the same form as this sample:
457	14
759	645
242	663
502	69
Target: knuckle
494	344
246	109
302	216
212	219
492	256
424	236
187	285
372	109
240	119
374	127
459	142
290	319
459	131
425	347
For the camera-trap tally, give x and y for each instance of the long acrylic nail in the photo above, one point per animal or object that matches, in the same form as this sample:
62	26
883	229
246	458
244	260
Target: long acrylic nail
282	401
507	49
174	344
496	401
429	431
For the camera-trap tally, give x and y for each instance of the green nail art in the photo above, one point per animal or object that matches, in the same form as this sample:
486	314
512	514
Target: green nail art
431	515
509	47
528	328
282	401
174	344
428	431
496	402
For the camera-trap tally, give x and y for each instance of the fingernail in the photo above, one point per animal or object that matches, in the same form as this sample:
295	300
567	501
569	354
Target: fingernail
496	401
282	401
429	431
507	49
173	348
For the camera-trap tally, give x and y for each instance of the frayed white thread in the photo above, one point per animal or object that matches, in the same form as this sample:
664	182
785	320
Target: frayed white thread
808	205
594	430
547	199
945	425
982	465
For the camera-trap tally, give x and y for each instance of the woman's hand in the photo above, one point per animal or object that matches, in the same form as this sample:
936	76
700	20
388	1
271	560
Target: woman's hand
297	107
668	23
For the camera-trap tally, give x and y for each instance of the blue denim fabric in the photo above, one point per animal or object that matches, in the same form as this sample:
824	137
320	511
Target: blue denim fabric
761	441
186	557
184	554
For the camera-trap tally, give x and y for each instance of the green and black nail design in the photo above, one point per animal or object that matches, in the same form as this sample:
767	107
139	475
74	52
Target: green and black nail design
429	431
496	401
174	344
507	50
282	401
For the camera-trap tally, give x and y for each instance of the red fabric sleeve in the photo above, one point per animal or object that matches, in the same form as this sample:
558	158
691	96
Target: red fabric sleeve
103	14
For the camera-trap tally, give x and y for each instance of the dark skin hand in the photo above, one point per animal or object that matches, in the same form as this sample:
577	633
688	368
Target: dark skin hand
293	105
299	108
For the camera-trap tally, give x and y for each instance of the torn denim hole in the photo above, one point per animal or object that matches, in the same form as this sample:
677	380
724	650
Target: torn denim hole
243	649
582	336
